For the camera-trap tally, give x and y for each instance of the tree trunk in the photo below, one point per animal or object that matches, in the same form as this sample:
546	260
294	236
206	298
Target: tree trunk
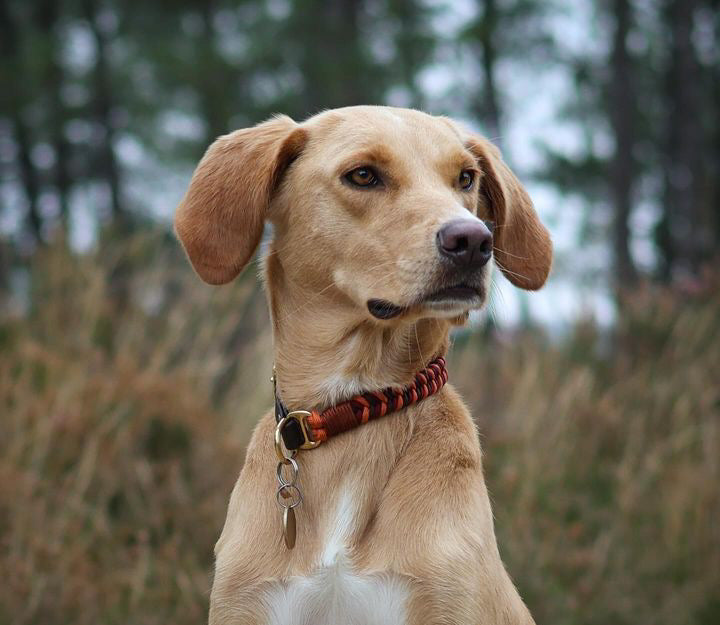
489	108
685	233
333	62
28	174
623	118
108	166
714	158
46	18
29	177
711	155
410	44
211	83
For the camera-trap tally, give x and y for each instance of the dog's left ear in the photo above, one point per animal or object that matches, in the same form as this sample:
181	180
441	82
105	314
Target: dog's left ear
523	249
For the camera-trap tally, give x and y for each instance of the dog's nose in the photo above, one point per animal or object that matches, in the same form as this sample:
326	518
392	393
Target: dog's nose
466	242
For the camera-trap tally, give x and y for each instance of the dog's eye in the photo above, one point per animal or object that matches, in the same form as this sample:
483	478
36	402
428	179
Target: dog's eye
466	179
362	177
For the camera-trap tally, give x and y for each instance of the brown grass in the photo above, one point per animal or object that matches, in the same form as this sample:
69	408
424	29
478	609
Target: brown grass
128	391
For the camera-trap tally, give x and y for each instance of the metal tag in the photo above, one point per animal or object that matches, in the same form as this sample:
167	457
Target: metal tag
289	527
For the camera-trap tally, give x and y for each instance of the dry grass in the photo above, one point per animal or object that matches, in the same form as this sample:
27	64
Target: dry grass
603	459
128	391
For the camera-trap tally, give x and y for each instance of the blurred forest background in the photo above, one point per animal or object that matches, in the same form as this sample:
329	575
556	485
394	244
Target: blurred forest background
128	389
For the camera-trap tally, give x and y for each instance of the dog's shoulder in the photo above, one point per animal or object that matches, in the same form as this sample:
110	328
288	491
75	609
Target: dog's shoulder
444	428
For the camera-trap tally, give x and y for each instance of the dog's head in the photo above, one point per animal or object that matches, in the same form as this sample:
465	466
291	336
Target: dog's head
396	211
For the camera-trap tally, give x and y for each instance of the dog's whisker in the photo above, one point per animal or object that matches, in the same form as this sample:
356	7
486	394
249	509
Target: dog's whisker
493	308
497	249
307	302
313	296
417	342
512	273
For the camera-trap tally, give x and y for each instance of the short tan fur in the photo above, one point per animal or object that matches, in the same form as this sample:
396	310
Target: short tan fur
396	509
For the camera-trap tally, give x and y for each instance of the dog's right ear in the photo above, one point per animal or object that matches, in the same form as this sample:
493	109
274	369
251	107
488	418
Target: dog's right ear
523	248
220	220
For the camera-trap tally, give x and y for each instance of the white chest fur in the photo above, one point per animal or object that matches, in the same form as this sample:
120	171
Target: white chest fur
334	594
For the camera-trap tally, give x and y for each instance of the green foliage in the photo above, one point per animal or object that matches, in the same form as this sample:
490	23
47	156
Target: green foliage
98	90
644	106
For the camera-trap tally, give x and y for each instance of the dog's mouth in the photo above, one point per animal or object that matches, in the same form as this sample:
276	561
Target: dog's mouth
461	295
382	309
459	292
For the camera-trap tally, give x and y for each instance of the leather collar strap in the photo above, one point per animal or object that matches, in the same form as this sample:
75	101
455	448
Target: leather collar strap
316	427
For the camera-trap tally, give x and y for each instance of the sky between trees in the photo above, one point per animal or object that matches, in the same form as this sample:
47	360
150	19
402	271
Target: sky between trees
608	110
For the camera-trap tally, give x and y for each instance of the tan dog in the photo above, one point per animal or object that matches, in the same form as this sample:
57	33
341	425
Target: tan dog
377	251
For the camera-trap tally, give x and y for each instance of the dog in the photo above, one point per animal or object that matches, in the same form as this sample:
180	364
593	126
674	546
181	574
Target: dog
381	243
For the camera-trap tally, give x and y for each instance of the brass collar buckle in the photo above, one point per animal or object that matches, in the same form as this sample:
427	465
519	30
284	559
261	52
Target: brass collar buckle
294	432
292	426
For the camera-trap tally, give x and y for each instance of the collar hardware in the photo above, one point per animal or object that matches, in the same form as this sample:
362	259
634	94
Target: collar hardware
306	430
294	432
301	429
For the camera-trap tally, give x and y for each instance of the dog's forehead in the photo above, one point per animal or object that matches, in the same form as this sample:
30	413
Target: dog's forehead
404	132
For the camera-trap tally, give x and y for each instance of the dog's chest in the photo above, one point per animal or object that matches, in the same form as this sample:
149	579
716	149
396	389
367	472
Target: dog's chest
334	593
337	596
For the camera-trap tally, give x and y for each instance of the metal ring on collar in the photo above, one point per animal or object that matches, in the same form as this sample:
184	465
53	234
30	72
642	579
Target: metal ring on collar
281	480
289	490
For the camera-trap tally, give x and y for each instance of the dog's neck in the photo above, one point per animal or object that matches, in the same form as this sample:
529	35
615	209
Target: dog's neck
326	350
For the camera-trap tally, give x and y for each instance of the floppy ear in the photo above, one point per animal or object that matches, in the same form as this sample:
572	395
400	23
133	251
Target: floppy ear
220	220
522	245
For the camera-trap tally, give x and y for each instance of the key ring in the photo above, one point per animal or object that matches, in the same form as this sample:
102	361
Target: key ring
294	471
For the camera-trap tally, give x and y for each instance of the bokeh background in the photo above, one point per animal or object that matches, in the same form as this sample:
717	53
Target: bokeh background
128	389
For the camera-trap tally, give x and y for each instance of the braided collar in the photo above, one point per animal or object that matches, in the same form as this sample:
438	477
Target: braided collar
301	429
